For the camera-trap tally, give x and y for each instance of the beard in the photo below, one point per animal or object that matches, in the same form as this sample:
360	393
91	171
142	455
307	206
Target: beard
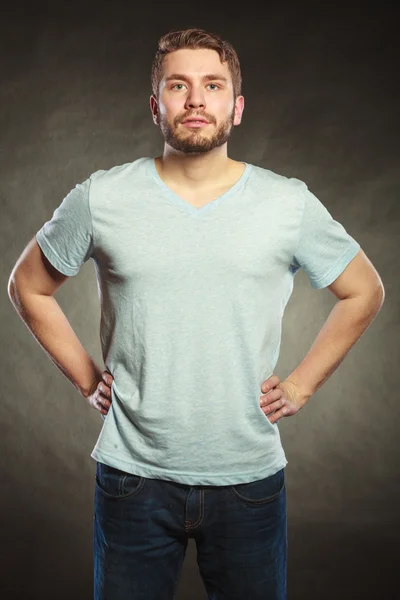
194	141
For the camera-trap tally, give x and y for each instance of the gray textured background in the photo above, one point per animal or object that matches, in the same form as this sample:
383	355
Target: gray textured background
321	104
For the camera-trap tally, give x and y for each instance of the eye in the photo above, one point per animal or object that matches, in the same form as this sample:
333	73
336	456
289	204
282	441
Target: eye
181	84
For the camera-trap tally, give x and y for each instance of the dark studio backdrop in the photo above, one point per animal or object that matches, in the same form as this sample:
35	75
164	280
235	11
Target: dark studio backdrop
321	104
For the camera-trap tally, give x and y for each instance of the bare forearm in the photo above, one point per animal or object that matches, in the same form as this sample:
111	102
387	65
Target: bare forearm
52	330
345	324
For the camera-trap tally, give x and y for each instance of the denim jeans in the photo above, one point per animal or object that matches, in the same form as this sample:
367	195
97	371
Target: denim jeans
142	527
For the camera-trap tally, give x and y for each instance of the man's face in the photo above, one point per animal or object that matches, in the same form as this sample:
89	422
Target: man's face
187	90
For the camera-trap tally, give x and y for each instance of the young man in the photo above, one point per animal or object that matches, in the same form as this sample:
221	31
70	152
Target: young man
195	256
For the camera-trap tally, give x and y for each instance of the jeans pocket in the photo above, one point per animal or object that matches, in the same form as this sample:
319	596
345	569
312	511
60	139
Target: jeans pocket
117	484
262	490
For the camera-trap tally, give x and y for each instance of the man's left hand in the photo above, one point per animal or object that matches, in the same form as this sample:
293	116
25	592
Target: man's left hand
285	398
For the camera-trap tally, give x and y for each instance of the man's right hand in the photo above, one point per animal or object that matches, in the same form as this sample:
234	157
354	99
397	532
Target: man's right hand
100	397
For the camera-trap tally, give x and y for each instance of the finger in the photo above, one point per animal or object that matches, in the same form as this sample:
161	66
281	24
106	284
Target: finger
278	415
107	378
104	389
273	406
97	405
270	383
271	396
103	399
103	405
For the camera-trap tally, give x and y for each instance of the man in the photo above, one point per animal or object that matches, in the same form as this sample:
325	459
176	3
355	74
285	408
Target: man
195	256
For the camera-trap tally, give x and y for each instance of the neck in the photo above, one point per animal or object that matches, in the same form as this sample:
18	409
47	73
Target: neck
194	171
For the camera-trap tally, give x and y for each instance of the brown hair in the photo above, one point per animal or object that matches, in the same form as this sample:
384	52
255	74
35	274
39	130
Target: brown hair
194	39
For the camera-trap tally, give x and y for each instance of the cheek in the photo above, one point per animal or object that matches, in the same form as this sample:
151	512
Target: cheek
223	109
172	106
163	110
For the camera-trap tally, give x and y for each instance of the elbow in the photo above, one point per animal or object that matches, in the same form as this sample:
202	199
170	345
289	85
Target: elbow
11	288
380	296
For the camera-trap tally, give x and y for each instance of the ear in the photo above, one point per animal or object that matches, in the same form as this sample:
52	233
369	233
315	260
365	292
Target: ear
239	108
154	108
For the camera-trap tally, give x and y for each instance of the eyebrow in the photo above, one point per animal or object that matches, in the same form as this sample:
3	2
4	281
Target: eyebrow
208	77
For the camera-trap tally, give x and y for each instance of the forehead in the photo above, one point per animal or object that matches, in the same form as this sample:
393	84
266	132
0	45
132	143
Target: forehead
197	62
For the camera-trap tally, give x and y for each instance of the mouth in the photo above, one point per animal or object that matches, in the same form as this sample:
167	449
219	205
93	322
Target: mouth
195	123
193	120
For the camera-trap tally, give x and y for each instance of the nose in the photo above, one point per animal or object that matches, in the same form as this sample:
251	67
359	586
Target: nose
195	98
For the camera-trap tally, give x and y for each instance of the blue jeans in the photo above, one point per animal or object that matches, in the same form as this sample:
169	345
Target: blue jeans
142	527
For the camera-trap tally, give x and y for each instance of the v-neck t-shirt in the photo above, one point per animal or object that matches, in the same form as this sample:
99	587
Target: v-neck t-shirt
192	301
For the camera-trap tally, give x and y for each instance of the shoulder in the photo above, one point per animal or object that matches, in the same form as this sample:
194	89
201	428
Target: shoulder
276	182
119	174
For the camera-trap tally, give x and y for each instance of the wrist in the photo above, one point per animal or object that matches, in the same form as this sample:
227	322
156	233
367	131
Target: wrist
96	377
303	394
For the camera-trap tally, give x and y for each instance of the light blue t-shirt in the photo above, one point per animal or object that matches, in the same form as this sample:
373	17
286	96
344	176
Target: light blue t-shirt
192	301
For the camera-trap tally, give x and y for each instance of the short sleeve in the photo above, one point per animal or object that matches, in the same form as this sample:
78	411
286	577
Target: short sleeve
67	238
324	247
